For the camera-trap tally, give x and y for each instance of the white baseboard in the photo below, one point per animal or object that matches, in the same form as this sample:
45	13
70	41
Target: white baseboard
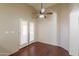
26	44
8	53
48	43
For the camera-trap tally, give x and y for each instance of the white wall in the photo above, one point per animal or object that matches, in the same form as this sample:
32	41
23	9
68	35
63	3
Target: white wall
47	30
10	14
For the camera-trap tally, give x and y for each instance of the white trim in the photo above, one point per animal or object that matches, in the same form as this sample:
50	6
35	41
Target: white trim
48	43
26	44
8	53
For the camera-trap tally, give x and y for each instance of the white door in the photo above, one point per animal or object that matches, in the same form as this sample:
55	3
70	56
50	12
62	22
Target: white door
74	33
27	32
24	32
31	26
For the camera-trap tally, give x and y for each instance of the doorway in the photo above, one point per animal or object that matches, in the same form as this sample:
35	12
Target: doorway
26	32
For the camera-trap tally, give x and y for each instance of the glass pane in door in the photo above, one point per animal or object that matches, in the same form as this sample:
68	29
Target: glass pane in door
24	32
31	31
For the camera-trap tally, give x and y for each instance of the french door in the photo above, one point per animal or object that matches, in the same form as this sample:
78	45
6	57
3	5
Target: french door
27	32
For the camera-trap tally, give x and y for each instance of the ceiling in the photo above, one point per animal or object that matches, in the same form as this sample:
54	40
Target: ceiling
37	6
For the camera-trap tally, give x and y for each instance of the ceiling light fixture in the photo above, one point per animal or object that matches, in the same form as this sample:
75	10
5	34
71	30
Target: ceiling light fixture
41	16
42	10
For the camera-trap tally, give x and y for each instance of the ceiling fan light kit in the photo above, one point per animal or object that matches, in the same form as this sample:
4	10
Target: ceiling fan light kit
41	16
43	13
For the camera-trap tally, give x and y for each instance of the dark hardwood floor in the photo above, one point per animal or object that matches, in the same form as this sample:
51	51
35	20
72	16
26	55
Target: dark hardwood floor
41	49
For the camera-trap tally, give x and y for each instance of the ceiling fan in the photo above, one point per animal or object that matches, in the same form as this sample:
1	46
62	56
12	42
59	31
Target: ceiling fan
43	13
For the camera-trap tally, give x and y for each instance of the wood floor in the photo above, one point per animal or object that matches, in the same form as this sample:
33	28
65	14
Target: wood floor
41	49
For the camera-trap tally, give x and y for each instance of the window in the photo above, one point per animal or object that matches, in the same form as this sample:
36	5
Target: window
24	32
31	31
27	32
